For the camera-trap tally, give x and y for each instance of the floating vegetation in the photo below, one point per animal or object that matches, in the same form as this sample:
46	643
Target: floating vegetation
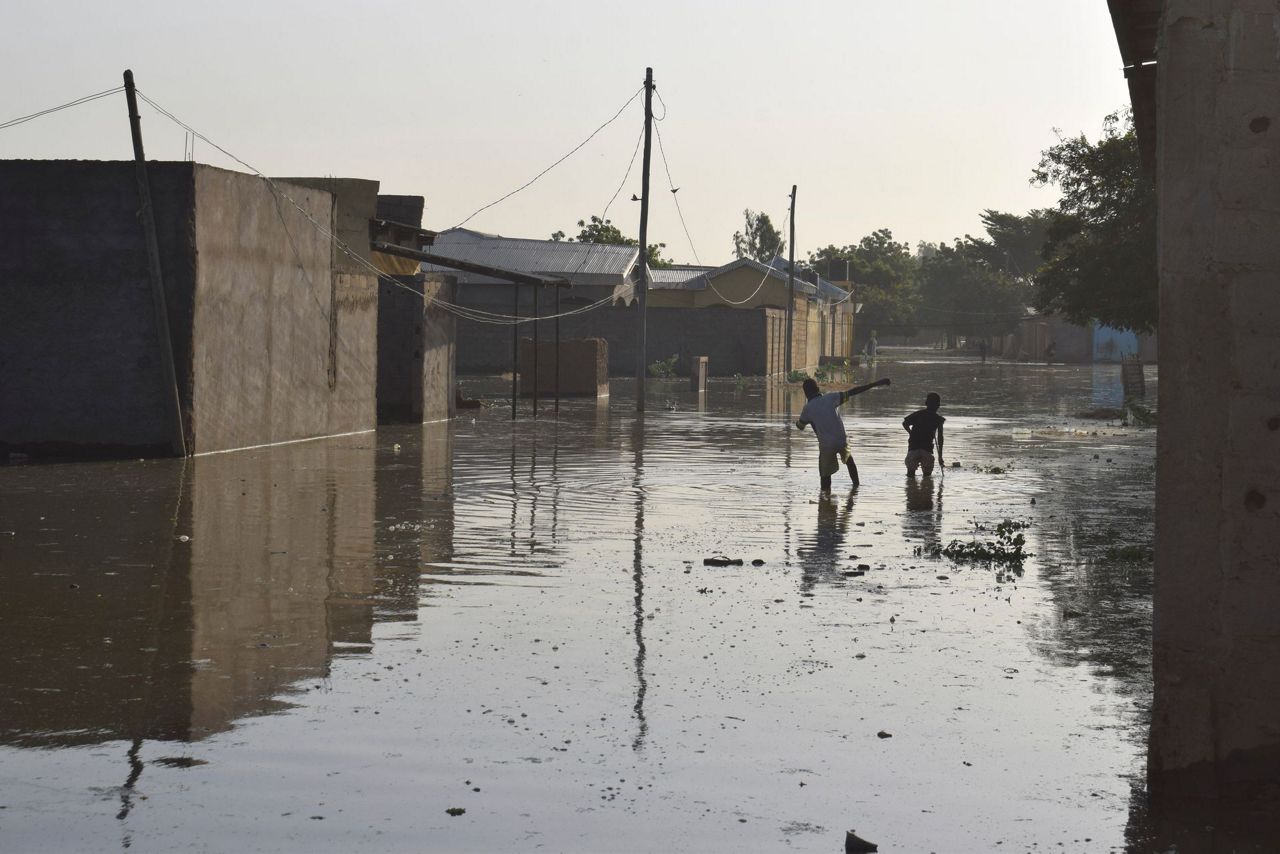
1007	549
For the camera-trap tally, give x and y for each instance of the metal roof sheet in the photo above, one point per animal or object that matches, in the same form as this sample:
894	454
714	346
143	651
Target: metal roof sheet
688	277
580	263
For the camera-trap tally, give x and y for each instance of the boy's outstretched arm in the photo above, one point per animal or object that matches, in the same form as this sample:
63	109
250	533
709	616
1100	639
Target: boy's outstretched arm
939	440
859	389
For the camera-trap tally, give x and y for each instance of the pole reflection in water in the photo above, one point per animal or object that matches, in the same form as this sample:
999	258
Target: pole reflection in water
637	572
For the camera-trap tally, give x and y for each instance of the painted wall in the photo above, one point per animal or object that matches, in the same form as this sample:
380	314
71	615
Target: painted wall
440	350
79	351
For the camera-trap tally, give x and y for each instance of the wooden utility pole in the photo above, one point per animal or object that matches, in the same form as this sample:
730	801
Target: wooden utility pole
642	286
178	439
791	281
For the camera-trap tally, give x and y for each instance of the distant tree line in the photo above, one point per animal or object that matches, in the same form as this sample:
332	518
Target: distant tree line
1091	257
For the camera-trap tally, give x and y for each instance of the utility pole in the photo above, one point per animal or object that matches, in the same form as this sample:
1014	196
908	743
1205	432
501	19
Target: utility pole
178	440
791	280
642	286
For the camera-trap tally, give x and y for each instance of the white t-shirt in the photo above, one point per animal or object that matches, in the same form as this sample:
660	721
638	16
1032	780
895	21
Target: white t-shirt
823	414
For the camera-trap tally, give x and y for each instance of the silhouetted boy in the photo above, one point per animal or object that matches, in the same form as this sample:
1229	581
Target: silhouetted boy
922	425
823	412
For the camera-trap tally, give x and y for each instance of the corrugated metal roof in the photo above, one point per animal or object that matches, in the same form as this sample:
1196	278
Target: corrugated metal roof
580	263
686	277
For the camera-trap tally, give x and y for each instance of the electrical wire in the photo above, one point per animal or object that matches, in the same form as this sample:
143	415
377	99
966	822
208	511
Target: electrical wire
77	102
565	157
671	184
466	312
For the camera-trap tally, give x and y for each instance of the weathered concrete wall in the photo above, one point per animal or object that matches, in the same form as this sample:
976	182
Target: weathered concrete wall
79	352
583	368
735	339
353	362
400	346
264	349
1217	594
439	350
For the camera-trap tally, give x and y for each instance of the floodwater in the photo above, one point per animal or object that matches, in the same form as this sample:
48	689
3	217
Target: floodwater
325	646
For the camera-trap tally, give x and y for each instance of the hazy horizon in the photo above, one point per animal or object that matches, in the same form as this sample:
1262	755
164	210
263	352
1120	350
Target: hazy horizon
913	117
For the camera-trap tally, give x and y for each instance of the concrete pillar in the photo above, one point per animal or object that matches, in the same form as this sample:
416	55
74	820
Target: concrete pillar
1216	728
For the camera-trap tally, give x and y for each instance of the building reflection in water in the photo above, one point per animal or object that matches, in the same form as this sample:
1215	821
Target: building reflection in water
166	600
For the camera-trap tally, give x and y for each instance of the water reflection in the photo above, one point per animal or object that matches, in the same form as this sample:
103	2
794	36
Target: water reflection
214	591
922	523
559	563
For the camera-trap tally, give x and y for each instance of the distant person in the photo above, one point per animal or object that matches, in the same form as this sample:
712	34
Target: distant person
924	426
823	412
1049	352
982	350
871	347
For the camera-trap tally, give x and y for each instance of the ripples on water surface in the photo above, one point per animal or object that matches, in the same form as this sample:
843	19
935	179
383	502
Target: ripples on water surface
324	646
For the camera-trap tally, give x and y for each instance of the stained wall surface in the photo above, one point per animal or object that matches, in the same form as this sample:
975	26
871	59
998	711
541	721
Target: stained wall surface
285	343
1217	594
79	350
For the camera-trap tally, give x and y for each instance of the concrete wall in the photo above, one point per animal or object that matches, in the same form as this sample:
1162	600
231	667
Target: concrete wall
1217	593
734	339
283	346
79	353
582	369
271	340
400	347
440	350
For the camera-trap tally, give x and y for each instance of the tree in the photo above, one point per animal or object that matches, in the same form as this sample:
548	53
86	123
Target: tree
884	275
759	240
1100	251
604	231
966	294
1013	243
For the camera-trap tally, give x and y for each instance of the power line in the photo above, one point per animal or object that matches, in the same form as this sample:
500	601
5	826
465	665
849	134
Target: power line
572	151
77	102
674	189
466	312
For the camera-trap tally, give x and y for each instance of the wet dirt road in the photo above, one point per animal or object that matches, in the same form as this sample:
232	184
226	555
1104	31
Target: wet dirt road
326	646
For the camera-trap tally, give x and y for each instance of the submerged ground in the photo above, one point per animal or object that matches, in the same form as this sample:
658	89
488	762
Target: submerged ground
327	646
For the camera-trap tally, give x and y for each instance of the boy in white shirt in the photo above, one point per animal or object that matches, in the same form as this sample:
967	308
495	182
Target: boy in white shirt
823	412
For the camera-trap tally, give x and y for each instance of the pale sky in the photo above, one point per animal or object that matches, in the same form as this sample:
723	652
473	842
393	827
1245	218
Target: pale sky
907	114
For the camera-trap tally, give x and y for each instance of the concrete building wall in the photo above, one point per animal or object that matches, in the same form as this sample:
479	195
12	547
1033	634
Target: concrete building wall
734	339
440	350
1217	591
79	351
400	349
263	354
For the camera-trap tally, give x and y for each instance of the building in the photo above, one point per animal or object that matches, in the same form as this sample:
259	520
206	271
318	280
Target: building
748	298
271	304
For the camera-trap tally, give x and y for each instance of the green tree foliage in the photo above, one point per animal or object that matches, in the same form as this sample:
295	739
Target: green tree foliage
758	239
604	231
1013	243
966	294
884	275
1100	251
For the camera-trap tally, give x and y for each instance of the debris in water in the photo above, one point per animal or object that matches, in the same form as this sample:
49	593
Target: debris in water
883	734
855	844
721	560
455	811
758	562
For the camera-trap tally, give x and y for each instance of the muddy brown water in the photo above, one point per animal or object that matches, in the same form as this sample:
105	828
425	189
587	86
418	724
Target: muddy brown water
325	646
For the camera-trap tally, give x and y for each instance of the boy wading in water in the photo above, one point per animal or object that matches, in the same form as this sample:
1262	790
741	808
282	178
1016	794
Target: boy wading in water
823	412
922	425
